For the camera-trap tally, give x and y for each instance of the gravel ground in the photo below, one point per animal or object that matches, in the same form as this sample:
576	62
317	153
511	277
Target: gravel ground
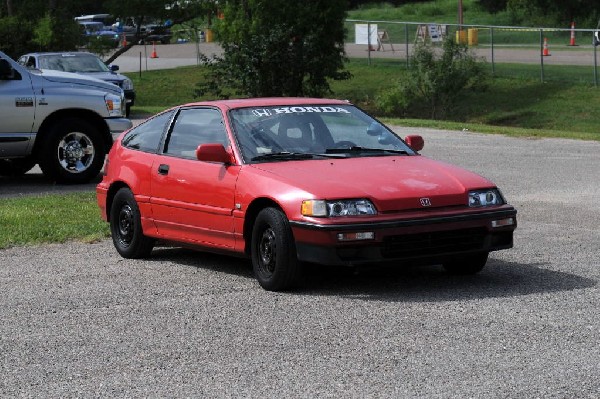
79	321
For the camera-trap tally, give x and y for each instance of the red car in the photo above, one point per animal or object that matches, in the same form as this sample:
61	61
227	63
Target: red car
286	181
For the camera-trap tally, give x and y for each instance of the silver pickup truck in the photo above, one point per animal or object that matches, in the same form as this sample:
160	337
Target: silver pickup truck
64	122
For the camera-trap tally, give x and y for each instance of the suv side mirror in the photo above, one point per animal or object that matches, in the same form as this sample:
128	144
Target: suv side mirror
113	68
6	70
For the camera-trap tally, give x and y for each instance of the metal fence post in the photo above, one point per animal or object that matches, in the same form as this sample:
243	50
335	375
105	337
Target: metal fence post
492	39
595	67
406	40
369	41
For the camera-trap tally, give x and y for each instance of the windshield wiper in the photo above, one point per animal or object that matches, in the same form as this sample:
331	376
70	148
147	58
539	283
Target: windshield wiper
357	149
282	156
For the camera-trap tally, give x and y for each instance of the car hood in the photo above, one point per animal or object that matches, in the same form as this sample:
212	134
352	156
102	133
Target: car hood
77	79
392	182
105	76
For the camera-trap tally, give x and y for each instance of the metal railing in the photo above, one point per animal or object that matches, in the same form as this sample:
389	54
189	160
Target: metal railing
560	53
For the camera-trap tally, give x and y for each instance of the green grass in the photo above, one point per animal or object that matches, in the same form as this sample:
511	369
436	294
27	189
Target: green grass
50	219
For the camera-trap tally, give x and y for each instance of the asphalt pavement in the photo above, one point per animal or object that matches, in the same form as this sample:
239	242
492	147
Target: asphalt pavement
80	321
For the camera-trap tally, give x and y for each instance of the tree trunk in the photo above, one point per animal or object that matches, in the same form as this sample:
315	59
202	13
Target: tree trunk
9	8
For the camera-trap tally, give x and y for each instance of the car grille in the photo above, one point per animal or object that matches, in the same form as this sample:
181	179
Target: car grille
433	243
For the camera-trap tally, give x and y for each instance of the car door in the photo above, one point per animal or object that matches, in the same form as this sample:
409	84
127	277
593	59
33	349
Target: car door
193	200
17	112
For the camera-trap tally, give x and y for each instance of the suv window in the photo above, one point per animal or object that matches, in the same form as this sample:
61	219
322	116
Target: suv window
146	137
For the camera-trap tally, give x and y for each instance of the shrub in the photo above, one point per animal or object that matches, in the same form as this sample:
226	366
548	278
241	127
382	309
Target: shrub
434	82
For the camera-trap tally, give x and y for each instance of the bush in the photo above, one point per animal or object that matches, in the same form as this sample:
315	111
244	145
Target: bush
434	82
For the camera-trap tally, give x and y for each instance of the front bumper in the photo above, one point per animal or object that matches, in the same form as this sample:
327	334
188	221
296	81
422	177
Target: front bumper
130	97
429	240
118	126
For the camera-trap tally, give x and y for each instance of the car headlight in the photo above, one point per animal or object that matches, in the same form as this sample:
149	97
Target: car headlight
114	104
127	84
488	197
335	208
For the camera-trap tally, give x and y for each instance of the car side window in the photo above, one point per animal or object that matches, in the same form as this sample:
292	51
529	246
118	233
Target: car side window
195	126
147	136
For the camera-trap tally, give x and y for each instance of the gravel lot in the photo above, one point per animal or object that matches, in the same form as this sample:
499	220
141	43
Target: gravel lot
79	321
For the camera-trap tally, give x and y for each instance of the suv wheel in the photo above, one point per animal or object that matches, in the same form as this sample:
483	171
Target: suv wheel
73	152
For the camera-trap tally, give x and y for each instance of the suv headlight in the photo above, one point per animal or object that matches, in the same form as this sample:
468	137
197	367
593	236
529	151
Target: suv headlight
127	84
488	197
114	104
335	208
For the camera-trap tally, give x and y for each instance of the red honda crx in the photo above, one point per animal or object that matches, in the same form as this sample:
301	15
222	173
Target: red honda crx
287	181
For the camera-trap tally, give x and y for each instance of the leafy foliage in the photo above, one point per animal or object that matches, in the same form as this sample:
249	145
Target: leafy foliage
19	32
435	82
275	48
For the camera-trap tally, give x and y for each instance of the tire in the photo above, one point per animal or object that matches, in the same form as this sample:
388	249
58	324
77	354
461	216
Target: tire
273	251
468	264
126	227
16	167
127	110
72	152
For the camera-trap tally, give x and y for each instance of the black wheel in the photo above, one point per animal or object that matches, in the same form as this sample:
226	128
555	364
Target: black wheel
274	259
16	167
126	227
72	152
468	264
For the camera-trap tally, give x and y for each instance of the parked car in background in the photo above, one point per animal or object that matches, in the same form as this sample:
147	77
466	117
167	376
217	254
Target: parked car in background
286	181
156	33
92	29
82	63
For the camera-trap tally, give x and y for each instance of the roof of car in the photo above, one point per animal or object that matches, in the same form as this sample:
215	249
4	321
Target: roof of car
62	53
270	101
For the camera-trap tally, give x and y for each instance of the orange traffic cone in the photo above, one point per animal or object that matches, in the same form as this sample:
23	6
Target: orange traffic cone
572	43
153	55
124	42
546	52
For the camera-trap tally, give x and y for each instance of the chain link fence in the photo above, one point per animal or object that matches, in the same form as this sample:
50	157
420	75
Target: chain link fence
568	54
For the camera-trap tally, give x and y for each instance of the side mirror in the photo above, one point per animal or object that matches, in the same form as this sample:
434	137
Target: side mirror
213	153
113	68
415	142
6	69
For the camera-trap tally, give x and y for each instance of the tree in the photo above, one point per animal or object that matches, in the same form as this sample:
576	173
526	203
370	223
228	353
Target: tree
550	12
276	48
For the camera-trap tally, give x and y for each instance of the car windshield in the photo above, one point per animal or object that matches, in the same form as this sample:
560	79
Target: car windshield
292	132
72	63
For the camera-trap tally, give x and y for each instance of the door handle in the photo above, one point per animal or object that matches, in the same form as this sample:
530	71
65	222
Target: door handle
163	169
